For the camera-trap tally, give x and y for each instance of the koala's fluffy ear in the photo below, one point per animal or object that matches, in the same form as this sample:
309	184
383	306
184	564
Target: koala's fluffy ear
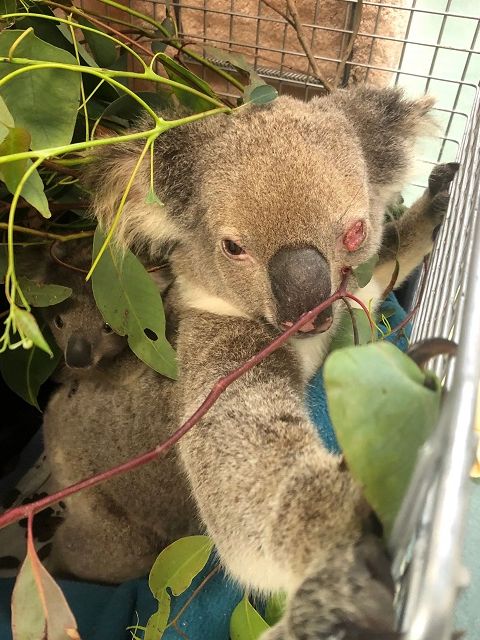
387	124
145	221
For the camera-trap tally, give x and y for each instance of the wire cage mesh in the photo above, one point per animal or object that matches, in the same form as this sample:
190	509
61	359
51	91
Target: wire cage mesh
424	46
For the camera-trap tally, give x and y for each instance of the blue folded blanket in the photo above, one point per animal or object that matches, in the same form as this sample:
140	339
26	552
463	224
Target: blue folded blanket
105	612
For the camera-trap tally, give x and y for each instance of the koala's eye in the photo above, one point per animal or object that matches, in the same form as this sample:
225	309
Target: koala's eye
59	323
107	328
233	250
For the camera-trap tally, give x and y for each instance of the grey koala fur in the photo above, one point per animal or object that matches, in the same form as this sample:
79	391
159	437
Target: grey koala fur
105	411
285	180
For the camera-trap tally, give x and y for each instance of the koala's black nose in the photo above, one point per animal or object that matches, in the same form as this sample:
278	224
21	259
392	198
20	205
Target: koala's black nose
300	280
78	353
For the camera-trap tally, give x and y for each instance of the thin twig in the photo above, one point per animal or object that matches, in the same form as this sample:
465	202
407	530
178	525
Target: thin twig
281	13
357	19
195	593
49	164
17	513
292	8
419	297
367	313
356	340
46	234
393	280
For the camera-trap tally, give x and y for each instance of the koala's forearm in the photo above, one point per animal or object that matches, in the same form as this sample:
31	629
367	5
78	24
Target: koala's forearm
272	498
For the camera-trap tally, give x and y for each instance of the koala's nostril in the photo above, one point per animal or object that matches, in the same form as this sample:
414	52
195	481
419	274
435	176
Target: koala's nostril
78	353
300	281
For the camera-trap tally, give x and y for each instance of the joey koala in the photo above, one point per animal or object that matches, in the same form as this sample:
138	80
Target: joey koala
104	412
264	208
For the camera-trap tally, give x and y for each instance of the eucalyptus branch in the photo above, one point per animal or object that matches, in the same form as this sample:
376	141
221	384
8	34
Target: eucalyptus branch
292	8
353	320
22	511
170	41
57	19
82	88
357	19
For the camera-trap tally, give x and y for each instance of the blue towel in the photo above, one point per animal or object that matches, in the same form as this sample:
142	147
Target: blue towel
105	612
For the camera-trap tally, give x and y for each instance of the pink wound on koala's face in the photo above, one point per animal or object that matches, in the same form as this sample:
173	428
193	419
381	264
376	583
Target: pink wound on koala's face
354	236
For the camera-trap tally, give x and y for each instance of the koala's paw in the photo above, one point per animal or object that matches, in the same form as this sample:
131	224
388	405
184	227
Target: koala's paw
438	184
350	597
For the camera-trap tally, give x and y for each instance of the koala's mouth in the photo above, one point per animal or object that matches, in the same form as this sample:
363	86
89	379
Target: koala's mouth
313	327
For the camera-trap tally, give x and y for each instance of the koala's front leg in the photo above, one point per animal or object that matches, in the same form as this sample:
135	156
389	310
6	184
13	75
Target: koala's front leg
411	237
283	512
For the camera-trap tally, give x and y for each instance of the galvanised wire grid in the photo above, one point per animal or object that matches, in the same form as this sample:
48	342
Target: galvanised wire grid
425	46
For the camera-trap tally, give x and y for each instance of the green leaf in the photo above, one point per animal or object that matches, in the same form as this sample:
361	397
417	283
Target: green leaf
239	62
46	89
131	304
364	272
263	94
103	49
275	608
343	336
246	623
6	119
382	413
129	109
5	115
39	608
43	295
178	564
158	621
25	370
177	72
18	140
7	6
27	325
159	43
152	198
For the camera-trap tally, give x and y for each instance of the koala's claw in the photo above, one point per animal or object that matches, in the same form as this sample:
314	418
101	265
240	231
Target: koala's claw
441	177
438	184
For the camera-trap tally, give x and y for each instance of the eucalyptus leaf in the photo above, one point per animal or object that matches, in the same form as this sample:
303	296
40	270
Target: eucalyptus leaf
18	140
178	73
6	117
25	370
7	6
43	295
343	336
239	62
263	94
382	411
158	621
28	326
159	43
131	304
364	272
129	109
103	49
39	608
178	564
46	89
246	623
275	608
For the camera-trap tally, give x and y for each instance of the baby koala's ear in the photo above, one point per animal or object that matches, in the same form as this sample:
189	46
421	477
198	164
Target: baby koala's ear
387	124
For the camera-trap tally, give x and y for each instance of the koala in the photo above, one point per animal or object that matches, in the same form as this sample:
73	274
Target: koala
262	211
103	412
